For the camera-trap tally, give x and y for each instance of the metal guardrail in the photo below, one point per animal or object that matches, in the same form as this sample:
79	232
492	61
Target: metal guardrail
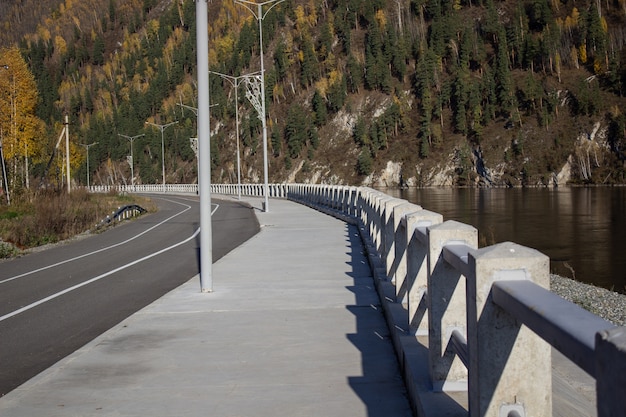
122	213
488	314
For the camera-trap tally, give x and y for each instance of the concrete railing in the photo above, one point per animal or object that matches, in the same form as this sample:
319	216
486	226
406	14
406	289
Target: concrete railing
486	314
146	188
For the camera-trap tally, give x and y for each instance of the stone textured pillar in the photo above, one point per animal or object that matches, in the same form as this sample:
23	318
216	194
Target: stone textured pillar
446	305
417	267
509	363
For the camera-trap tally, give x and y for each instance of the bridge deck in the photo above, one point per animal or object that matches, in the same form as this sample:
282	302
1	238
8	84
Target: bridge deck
294	328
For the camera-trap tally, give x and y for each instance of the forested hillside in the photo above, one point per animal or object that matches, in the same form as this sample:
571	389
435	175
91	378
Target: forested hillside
418	92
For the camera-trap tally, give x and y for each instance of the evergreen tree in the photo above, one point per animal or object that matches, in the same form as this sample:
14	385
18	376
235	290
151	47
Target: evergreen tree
308	65
295	130
325	42
280	60
354	76
337	92
399	58
319	108
276	142
359	132
504	79
596	37
365	162
460	96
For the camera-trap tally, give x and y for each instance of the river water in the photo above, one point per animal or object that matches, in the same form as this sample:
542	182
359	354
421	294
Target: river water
582	230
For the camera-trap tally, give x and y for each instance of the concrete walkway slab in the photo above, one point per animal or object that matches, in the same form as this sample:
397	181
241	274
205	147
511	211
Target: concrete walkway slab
294	327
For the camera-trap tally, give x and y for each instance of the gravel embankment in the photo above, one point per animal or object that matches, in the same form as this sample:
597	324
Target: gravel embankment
607	304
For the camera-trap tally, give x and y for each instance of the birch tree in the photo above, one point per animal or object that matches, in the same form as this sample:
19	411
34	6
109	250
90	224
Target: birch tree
22	133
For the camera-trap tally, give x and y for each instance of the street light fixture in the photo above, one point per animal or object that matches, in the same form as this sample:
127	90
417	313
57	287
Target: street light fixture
87	148
194	141
4	168
260	15
234	81
162	128
132	158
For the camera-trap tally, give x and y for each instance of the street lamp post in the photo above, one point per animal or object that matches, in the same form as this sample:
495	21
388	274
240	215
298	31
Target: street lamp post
204	147
132	158
260	15
4	168
162	128
87	148
234	81
195	140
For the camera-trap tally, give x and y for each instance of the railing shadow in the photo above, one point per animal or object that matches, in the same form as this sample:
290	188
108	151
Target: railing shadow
381	377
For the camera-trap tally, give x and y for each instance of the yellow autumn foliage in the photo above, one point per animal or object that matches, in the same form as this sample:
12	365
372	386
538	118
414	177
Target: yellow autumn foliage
381	19
21	130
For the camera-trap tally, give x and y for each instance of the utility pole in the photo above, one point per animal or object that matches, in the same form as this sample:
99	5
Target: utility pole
132	158
87	148
162	128
67	153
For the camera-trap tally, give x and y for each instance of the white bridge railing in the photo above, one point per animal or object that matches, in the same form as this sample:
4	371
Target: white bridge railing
487	316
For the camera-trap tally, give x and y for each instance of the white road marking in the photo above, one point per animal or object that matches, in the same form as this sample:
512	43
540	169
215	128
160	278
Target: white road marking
99	277
106	274
108	247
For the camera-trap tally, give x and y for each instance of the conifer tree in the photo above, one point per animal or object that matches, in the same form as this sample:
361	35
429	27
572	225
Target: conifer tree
354	76
319	108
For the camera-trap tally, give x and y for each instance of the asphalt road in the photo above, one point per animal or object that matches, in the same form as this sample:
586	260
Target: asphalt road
55	301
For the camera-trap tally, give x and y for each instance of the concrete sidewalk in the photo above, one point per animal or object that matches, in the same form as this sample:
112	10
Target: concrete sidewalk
294	327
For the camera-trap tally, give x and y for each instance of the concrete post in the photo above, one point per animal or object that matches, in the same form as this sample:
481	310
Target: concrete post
373	217
509	364
369	211
381	223
417	268
388	234
397	270
446	305
611	372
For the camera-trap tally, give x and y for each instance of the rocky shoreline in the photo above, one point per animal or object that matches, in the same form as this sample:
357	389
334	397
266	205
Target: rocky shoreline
607	304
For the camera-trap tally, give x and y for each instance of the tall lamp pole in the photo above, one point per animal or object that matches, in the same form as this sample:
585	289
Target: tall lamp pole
4	168
162	128
132	158
260	15
235	82
204	147
194	141
87	148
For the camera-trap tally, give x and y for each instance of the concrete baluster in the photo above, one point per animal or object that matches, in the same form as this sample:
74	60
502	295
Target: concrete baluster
509	363
380	200
417	268
368	207
351	201
397	270
388	234
446	305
